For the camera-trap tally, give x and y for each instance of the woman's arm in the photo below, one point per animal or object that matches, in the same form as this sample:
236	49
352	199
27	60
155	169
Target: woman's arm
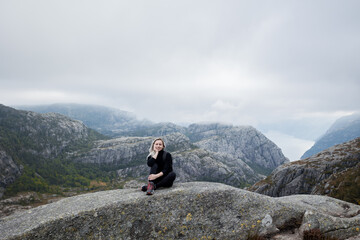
150	161
167	164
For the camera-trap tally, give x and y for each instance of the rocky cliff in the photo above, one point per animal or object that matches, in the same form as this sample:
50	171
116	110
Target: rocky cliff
196	210
242	142
343	130
334	172
191	163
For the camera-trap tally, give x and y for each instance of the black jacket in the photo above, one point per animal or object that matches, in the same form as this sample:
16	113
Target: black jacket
163	160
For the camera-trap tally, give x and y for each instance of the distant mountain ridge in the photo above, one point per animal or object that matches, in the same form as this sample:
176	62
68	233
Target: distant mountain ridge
53	147
109	121
343	130
240	141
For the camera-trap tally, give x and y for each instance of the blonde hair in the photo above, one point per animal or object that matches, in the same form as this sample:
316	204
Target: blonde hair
151	149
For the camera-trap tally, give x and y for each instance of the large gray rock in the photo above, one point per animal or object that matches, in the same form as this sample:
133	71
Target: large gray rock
196	210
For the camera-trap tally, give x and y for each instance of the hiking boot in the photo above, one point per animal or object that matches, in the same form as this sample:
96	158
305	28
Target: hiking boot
150	188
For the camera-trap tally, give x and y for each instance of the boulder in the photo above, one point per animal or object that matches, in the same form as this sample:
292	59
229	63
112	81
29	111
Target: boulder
194	210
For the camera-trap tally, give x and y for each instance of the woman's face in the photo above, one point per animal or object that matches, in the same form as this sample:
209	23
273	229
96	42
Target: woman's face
158	145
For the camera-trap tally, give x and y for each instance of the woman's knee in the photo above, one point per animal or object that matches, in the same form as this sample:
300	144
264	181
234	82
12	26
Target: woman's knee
172	176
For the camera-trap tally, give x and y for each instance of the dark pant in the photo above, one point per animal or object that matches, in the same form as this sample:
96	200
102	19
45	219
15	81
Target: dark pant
163	181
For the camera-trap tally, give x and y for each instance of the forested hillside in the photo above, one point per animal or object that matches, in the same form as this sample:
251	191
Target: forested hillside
36	145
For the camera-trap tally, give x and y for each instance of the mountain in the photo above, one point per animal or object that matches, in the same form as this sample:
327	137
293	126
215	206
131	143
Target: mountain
41	151
343	130
190	162
194	210
334	172
237	156
109	121
32	144
241	142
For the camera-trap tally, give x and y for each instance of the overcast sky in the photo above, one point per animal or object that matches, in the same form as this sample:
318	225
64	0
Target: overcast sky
288	68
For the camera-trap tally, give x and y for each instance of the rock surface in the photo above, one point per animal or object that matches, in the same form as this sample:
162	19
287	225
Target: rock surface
196	210
242	142
317	174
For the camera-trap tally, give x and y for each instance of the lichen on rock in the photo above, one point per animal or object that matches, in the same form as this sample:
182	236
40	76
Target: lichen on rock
185	211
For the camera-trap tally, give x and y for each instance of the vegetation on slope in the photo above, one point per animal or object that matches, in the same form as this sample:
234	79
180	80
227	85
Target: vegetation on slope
40	145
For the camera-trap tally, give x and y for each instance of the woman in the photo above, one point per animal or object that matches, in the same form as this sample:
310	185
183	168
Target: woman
161	171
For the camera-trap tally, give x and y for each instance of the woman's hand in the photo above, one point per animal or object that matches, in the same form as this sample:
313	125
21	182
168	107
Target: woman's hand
152	177
155	176
156	154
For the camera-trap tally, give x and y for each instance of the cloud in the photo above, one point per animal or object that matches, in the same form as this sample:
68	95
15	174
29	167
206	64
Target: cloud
256	63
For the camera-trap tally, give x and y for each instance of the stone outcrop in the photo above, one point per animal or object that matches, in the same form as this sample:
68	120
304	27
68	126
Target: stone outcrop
196	210
242	142
316	174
